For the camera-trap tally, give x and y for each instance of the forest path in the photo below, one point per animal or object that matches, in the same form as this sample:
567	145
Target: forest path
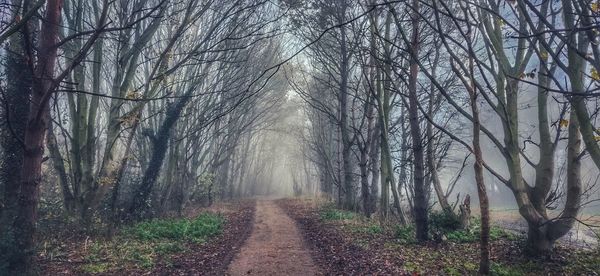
275	246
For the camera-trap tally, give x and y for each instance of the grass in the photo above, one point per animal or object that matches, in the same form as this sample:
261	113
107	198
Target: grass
335	214
369	228
196	230
472	235
143	244
448	225
405	234
456	251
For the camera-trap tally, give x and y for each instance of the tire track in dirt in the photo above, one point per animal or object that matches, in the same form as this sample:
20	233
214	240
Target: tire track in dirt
275	246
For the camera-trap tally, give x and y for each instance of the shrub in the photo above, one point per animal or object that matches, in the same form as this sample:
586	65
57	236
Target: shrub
445	221
441	223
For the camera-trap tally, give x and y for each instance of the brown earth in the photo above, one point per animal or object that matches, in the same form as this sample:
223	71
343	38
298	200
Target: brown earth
337	253
275	246
361	246
213	257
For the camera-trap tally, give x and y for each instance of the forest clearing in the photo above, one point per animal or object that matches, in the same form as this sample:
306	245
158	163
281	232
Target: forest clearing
299	137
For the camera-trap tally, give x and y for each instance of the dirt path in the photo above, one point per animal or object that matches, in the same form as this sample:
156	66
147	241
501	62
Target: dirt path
275	246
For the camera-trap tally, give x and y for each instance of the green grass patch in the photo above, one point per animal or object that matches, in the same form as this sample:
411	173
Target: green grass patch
196	230
142	244
336	214
370	228
448	225
472	235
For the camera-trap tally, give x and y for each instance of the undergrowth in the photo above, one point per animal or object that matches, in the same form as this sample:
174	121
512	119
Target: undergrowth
474	231
143	244
196	230
329	213
405	233
443	225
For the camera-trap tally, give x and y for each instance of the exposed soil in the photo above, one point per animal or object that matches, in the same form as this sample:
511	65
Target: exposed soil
275	246
213	257
334	252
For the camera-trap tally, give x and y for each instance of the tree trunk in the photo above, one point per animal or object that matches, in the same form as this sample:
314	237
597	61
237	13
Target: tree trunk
484	261
540	239
420	191
16	108
544	171
138	206
465	213
364	182
37	122
538	242
348	182
59	167
374	166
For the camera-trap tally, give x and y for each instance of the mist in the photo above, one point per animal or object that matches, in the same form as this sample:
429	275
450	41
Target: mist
186	137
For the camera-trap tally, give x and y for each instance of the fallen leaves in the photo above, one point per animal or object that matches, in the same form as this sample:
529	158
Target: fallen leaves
339	250
594	74
595	7
212	257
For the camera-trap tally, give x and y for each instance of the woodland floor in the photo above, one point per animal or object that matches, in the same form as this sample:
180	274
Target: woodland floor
345	243
69	253
298	237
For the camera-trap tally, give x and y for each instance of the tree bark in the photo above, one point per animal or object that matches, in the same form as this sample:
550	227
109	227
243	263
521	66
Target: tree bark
37	122
348	184
484	261
139	205
16	108
420	191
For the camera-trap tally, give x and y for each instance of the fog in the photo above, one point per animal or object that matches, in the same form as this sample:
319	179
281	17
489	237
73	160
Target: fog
114	113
